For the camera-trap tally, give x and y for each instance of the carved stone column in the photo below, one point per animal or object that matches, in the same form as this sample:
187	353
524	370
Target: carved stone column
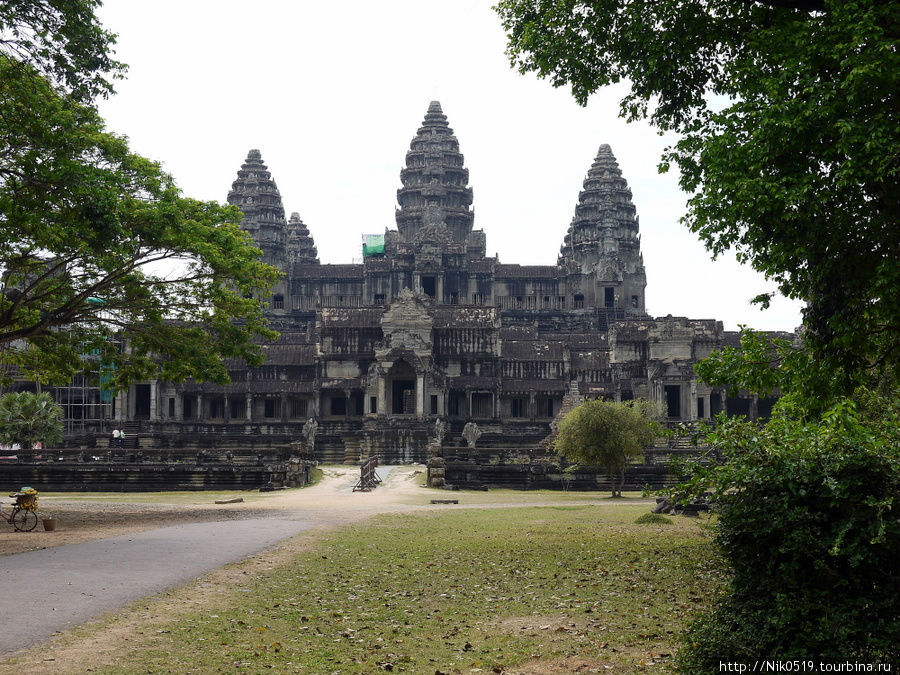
249	407
382	406
154	396
420	395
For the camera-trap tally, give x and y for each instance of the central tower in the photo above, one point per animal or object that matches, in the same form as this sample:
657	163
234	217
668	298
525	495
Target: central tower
434	195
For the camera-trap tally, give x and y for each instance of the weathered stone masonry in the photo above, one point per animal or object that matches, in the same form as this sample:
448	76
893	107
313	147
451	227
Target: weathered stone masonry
434	330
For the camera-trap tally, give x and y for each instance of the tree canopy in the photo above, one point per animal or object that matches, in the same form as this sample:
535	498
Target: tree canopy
789	135
64	41
607	434
96	242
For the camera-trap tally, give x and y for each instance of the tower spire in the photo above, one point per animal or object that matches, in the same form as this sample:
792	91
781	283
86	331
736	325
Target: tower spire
300	245
257	195
434	197
603	238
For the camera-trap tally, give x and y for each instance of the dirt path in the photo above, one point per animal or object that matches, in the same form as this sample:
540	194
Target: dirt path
125	552
84	520
155	548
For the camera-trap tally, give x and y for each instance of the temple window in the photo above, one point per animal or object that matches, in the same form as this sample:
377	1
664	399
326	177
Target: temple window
237	408
373	404
517	407
482	405
298	407
609	297
269	408
278	301
216	408
434	404
379	298
634	301
579	301
171	407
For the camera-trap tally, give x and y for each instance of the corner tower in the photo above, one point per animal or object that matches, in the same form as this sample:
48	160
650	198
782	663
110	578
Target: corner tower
603	240
257	196
435	193
300	245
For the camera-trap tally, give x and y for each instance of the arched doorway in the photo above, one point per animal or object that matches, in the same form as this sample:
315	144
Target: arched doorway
402	385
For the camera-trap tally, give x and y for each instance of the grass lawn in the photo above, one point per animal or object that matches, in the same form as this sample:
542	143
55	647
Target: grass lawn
536	590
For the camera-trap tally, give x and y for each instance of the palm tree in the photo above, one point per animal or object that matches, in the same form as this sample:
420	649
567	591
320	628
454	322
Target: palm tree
27	418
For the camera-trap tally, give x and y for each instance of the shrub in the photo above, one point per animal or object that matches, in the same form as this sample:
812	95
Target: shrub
807	522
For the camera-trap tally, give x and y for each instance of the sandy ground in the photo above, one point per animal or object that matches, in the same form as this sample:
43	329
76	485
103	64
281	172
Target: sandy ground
330	502
85	519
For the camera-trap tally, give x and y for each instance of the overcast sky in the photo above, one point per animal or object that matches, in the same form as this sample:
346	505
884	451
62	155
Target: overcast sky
332	93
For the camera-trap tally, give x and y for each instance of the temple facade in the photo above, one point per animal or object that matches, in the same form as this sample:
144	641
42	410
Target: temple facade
429	333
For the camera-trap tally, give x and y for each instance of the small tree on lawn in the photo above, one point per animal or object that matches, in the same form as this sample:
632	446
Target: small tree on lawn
605	434
27	418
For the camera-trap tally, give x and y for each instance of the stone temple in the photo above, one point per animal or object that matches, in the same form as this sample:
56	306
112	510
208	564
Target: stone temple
396	355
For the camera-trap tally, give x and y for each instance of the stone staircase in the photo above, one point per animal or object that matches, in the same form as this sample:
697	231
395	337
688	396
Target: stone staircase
571	400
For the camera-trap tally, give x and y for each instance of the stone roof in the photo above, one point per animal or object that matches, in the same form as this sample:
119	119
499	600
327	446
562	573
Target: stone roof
481	266
731	338
473	382
251	387
532	350
304	270
593	340
456	316
528	271
351	317
287	355
554	386
518	332
589	360
342	383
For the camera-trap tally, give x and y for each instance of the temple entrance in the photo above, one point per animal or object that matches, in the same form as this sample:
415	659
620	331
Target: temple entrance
402	381
673	400
142	401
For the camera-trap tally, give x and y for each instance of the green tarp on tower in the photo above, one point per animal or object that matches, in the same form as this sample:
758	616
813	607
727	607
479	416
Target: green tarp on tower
373	244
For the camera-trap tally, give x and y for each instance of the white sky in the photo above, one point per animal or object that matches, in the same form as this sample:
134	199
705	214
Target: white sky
333	92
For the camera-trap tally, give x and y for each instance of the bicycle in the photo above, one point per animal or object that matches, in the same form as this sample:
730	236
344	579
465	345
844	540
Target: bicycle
23	517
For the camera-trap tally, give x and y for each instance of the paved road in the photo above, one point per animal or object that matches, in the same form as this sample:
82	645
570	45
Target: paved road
58	588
